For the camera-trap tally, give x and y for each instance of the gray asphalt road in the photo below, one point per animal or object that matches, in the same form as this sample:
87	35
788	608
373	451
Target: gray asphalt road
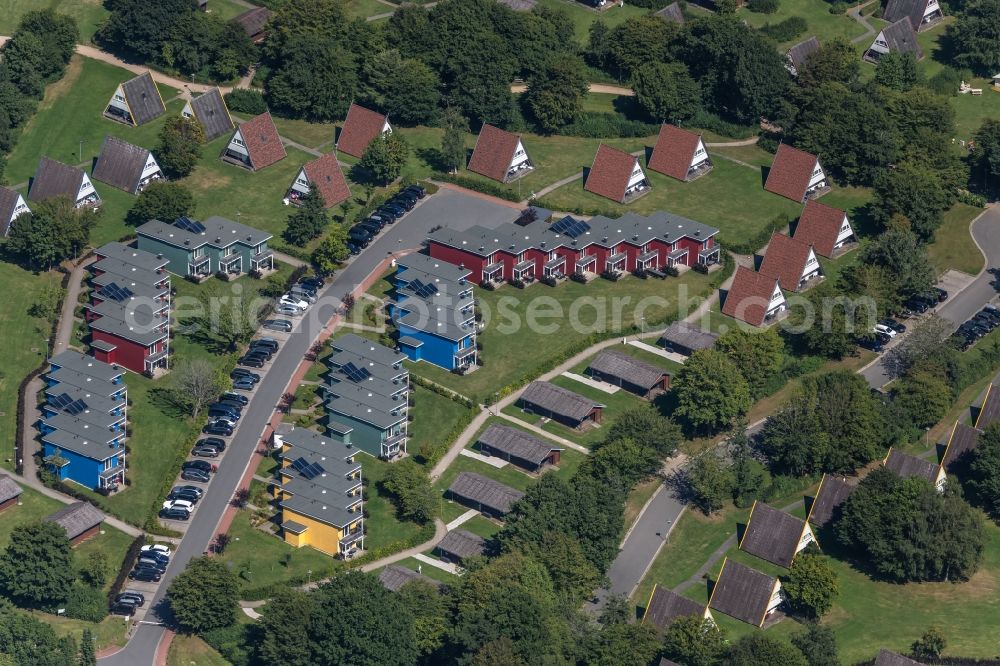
960	307
458	211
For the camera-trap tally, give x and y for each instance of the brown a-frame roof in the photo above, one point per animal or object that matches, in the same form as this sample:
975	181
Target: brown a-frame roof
907	466
143	98
494	152
772	535
325	173
963	439
902	38
262	141
785	260
665	606
911	9
819	225
749	296
53	179
360	127
674	151
120	164
742	593
790	172
990	410
886	658
212	114
832	493
610	173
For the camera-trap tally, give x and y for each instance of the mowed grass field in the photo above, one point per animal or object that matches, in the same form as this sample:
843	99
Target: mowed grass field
821	22
88	14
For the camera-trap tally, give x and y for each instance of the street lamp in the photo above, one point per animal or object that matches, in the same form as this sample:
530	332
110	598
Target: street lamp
310	574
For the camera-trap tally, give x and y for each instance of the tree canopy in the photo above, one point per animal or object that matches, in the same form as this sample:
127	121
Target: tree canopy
37	568
711	391
204	596
54	230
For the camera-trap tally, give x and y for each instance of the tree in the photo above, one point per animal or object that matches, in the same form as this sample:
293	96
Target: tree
356	620
694	641
811	586
622	645
412	93
141	28
480	86
285	622
316	77
637	41
36	568
830	322
180	146
230	319
756	354
666	91
52	232
975	34
308	220
161	200
930	645
710	483
983	479
384	158
57	31
555	95
94	571
747	473
904	530
88	655
794	440
195	384
922	345
897	71
924	396
834	62
453	139
204	596
430	615
711	392
648	429
908	271
818	644
500	652
24	58
986	153
411	488
571	573
761	650
329	254
915	191
846	412
26	640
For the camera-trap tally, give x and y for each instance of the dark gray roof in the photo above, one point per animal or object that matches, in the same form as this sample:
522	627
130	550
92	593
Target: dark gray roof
990	410
76	518
886	658
254	20
901	37
119	270
368	349
798	53
833	492
627	368
120	164
371	411
213	115
87	365
666	606
427	265
141	328
557	400
462	544
906	466
666	662
132	256
303	439
910	9
53	179
742	592
8	201
772	535
687	335
8	488
219	232
963	439
485	491
394	577
517	443
143	98
672	12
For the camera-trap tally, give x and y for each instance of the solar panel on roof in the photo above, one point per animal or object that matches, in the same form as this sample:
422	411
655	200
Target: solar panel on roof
188	224
60	401
570	226
116	293
354	373
427	290
312	471
75	407
300	464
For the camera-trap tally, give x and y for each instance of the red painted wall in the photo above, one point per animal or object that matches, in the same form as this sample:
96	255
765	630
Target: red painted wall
693	246
458	257
632	253
128	353
571	255
540	257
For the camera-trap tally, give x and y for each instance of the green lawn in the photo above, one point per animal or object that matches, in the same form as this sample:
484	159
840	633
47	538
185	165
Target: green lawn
225	9
953	246
434	416
569	459
583	16
88	14
821	22
108	633
381	525
514	351
433	573
509	475
731	197
366	8
313	135
188	650
484	527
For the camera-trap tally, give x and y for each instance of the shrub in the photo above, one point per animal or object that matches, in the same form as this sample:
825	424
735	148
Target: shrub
970	199
786	30
837	8
478	185
242	100
948	79
598	125
768	143
710	121
86	603
764	6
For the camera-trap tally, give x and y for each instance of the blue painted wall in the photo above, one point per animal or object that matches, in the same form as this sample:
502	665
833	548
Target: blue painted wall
80	469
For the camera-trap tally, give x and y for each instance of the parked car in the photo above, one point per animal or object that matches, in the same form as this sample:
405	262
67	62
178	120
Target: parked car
218	427
157	548
303	295
213	442
175	514
267	343
263	352
406	199
239	373
124	607
234	409
893	324
282	325
244	385
184	495
419	190
885	330
874	344
145	574
288	311
940	294
199	464
154	556
231	396
195	475
205	452
396	209
359	234
289	299
131	596
252	361
353	249
181	504
314	281
149	563
220	413
370	226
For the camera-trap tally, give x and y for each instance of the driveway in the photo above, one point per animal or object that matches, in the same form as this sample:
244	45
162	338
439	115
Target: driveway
459	211
982	290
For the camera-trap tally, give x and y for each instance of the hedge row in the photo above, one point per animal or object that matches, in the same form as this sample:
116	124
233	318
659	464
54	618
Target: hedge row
442	390
604	125
152	524
478	185
131	555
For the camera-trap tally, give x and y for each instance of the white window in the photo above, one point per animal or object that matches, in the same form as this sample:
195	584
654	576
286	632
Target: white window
119	98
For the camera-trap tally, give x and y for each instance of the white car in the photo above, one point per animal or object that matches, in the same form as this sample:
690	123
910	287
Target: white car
178	504
295	302
288	310
885	330
156	548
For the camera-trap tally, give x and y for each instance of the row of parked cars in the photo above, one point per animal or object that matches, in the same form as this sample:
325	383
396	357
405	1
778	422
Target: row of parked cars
296	301
152	562
976	327
362	233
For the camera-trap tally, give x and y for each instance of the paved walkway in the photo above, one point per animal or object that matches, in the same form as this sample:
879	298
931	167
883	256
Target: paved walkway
438	564
672	356
599	88
461	520
855	13
95	53
64	329
604	387
492	461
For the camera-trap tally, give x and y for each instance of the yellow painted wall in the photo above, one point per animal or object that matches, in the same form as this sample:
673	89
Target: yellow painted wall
324	538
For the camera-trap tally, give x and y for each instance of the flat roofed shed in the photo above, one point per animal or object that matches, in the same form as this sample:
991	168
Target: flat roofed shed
460	544
627	369
8	489
490	495
77	519
743	593
514	444
666	606
687	337
830	496
773	535
557	400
